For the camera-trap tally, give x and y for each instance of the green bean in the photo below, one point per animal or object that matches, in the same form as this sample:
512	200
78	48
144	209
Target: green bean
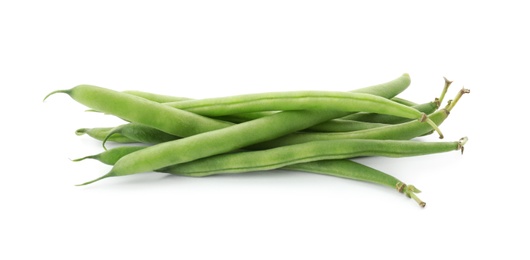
352	170
402	131
306	152
139	110
291	100
100	133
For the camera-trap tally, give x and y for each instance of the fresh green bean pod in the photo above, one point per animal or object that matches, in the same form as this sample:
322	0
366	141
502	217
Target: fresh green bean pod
295	100
139	110
355	171
275	158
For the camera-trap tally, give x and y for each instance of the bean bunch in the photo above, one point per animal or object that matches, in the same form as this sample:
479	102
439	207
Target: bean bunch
312	131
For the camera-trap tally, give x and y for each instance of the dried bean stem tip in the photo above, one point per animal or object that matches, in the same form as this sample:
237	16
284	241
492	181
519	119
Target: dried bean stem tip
411	191
461	144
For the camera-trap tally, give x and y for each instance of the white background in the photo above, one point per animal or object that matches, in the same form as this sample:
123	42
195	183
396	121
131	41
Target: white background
477	203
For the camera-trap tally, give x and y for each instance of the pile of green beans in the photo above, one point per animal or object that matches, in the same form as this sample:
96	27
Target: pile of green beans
312	131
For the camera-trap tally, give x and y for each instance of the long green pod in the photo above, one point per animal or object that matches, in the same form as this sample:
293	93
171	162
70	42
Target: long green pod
139	110
295	100
355	171
306	152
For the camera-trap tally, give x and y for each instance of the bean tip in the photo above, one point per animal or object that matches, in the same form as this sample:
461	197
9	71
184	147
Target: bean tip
66	91
81	131
110	174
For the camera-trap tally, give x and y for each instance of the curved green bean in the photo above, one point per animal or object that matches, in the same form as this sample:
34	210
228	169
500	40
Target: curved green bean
306	152
139	110
295	100
352	170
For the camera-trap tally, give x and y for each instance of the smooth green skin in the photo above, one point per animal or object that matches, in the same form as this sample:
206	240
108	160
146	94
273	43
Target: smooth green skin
241	135
306	152
296	100
139	110
426	108
155	97
380	90
347	169
339	125
404	101
100	133
356	171
404	131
